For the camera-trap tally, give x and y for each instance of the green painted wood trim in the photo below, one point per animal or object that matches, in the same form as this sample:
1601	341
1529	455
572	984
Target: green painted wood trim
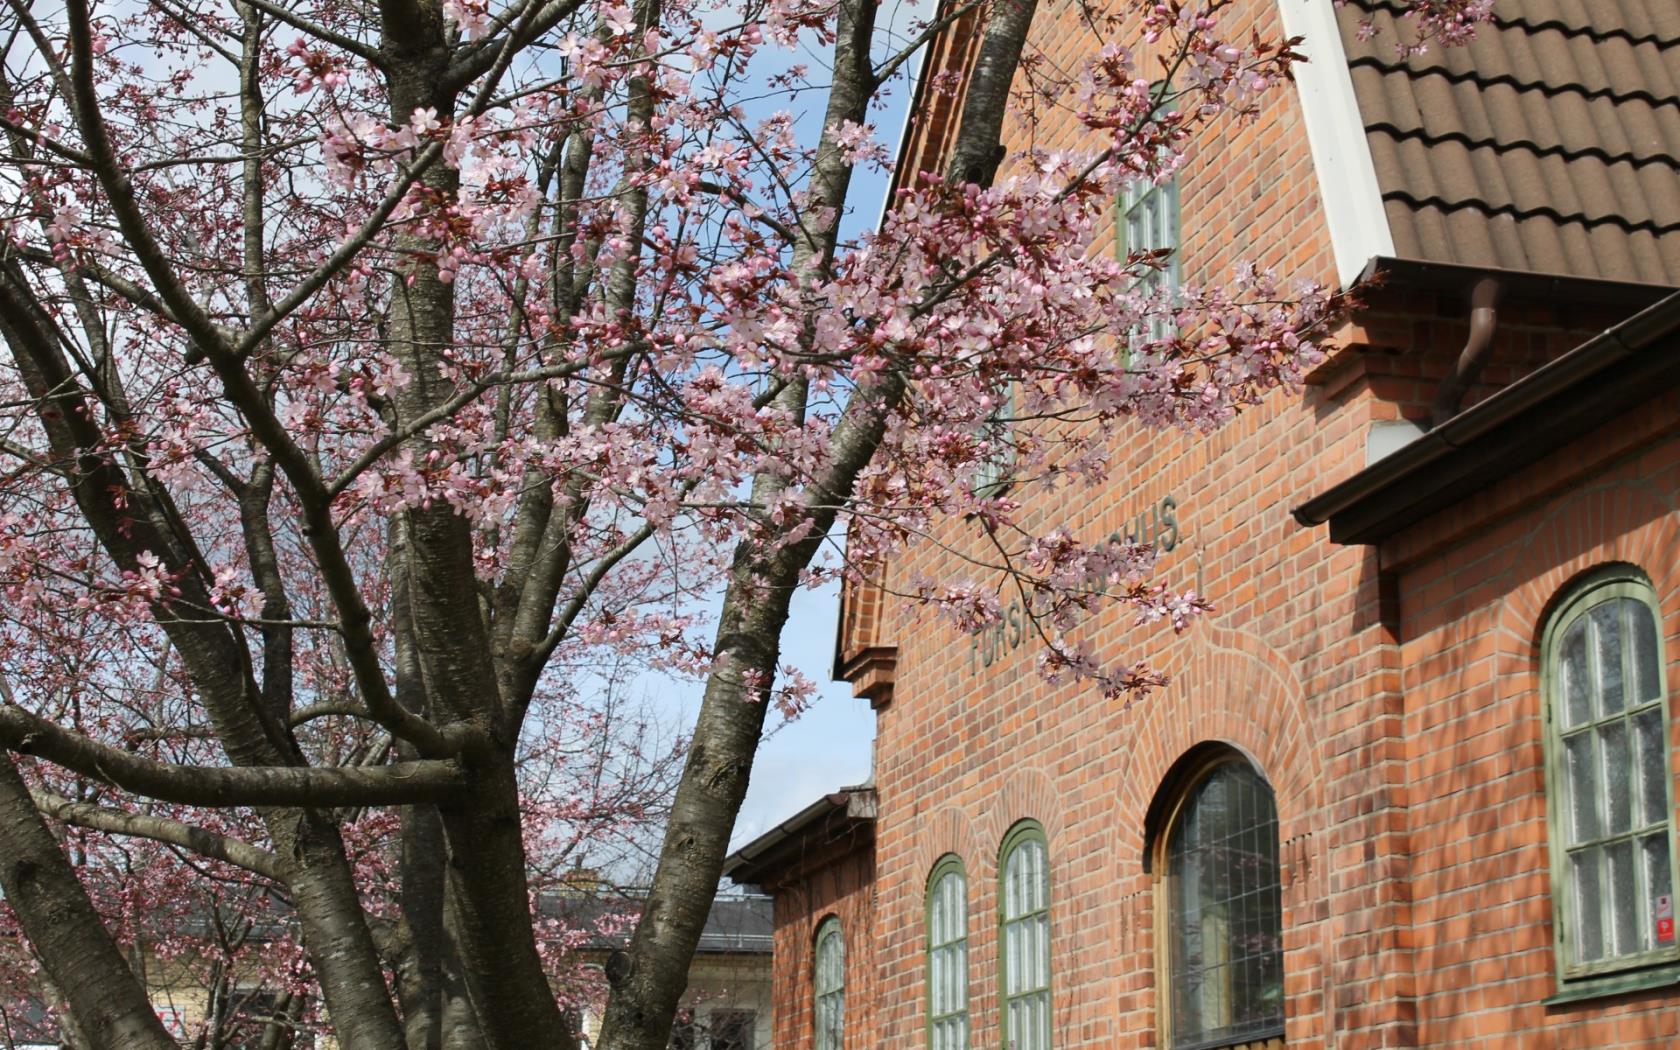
949	864
1022	831
1614	984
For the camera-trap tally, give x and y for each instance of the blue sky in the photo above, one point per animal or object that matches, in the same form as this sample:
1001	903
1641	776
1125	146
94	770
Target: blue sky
829	745
826	747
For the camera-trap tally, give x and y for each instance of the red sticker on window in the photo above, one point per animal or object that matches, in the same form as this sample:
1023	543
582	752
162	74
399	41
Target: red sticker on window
1665	919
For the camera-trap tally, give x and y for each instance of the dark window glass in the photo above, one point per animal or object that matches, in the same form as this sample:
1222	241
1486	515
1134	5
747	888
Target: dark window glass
732	1029
685	1034
1226	912
830	986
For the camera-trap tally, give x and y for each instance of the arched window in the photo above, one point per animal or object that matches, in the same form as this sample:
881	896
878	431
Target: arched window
830	986
947	964
1025	937
1223	928
1608	775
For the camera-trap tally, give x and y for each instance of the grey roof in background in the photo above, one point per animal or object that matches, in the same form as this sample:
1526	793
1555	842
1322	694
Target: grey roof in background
1550	143
738	924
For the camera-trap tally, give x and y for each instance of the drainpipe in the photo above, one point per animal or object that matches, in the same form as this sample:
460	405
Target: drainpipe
1484	317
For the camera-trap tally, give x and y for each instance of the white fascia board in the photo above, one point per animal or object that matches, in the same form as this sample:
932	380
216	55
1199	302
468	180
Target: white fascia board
911	82
1347	180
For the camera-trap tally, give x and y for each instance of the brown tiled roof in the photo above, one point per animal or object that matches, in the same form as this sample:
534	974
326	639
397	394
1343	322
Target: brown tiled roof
1550	143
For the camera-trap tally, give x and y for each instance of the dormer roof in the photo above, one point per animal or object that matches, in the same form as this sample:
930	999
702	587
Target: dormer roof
1550	143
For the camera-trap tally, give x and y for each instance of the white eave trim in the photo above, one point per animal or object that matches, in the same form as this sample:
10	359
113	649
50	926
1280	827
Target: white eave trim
1347	180
912	81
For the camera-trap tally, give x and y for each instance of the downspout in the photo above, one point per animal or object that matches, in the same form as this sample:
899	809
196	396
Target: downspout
1484	318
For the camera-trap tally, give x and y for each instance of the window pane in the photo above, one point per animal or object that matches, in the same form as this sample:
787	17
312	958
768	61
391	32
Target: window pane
1618	778
830	981
1572	675
1607	676
1624	900
1659	880
1583	786
1652	739
1589	920
1607	627
1642	634
948	962
1026	945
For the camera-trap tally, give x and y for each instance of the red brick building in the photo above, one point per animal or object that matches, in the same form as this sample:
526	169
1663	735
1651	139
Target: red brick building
1413	782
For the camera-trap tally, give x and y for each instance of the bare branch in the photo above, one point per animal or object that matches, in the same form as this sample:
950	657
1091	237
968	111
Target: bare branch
399	783
160	829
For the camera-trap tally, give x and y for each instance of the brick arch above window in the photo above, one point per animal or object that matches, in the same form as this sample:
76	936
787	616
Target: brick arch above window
1027	793
1217	674
951	829
1626	522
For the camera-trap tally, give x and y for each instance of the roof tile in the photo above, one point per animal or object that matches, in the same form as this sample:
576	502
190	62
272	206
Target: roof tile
1550	143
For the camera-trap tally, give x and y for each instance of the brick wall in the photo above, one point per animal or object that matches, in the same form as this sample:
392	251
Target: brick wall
1389	696
1476	584
838	881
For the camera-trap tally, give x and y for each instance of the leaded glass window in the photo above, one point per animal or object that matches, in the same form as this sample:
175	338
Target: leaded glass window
1026	939
830	986
1609	777
947	932
1224	912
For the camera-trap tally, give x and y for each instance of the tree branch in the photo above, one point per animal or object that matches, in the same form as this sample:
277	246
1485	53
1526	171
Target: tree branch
107	1002
160	829
119	190
399	783
321	32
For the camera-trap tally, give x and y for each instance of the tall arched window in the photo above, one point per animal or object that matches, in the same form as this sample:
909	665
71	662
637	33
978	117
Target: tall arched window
830	986
1608	775
1025	937
1223	943
947	940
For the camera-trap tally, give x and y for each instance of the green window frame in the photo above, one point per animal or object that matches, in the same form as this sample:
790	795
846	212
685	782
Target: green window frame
829	986
947	955
1024	937
1609	782
994	474
1146	218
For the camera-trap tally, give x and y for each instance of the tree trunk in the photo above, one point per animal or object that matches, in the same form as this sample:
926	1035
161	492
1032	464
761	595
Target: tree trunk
644	1000
108	1002
487	910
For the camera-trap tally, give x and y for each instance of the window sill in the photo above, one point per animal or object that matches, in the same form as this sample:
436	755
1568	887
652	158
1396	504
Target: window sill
1615	984
1252	1039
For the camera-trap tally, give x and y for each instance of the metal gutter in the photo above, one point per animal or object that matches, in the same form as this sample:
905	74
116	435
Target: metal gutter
1533	285
1563	399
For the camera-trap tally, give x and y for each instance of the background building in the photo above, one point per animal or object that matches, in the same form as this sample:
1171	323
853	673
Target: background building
1412	783
726	1005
